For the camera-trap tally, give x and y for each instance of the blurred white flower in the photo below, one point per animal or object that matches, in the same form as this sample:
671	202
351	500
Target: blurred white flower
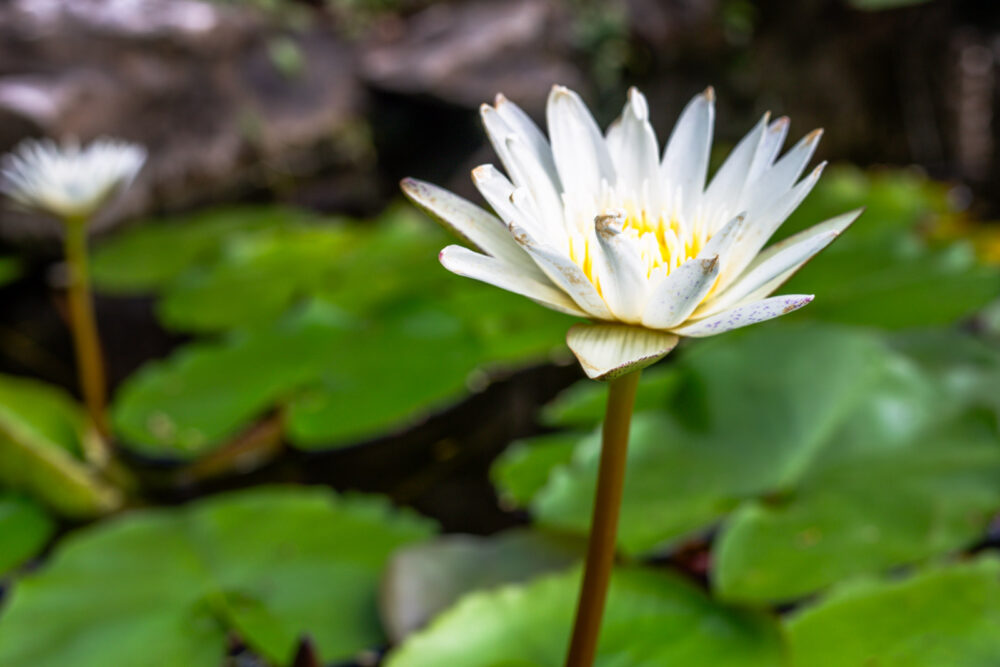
69	181
601	227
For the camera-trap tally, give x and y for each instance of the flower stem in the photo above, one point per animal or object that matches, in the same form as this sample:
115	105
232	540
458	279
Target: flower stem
604	524
90	363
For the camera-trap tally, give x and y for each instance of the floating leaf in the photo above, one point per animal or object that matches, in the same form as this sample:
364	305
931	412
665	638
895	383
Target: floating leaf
25	528
207	392
255	280
338	379
942	616
43	436
898	503
524	467
271	564
748	414
150	256
423	580
824	443
651	618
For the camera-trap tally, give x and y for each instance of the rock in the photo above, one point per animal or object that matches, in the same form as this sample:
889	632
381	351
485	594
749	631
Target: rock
464	53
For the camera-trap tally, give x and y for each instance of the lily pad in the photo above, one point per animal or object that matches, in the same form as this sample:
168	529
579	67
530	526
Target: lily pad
816	447
898	503
749	414
206	392
166	586
25	528
254	281
43	439
151	255
651	618
524	468
945	615
425	579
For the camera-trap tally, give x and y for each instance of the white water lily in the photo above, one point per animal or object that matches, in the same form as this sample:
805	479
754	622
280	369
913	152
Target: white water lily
602	227
69	181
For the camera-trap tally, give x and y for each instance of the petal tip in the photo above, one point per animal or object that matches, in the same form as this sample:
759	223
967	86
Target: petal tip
709	95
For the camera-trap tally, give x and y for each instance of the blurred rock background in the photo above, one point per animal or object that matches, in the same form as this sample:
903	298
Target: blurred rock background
328	102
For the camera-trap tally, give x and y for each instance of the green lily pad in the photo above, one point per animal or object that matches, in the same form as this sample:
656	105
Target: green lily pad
817	447
366	305
166	586
898	503
946	615
207	392
651	618
25	528
255	280
150	256
43	437
524	467
747	417
425	579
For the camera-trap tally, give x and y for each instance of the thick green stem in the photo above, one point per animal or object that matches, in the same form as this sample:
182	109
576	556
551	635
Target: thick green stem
90	363
604	525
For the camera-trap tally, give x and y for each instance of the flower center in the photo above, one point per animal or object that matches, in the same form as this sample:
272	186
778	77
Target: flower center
658	242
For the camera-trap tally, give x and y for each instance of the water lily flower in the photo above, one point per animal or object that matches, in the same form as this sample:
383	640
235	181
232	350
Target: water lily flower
69	181
601	226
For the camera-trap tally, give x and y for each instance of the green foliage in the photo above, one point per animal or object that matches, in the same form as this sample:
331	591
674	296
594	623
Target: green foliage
334	370
150	256
10	270
942	616
43	440
824	444
651	618
166	586
25	528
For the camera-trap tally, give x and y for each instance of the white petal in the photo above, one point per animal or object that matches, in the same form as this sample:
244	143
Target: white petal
497	131
833	226
525	129
624	282
634	151
768	149
471	264
470	222
564	273
727	184
497	190
776	181
685	159
533	177
606	351
724	241
763	225
743	315
578	147
788	255
677	295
